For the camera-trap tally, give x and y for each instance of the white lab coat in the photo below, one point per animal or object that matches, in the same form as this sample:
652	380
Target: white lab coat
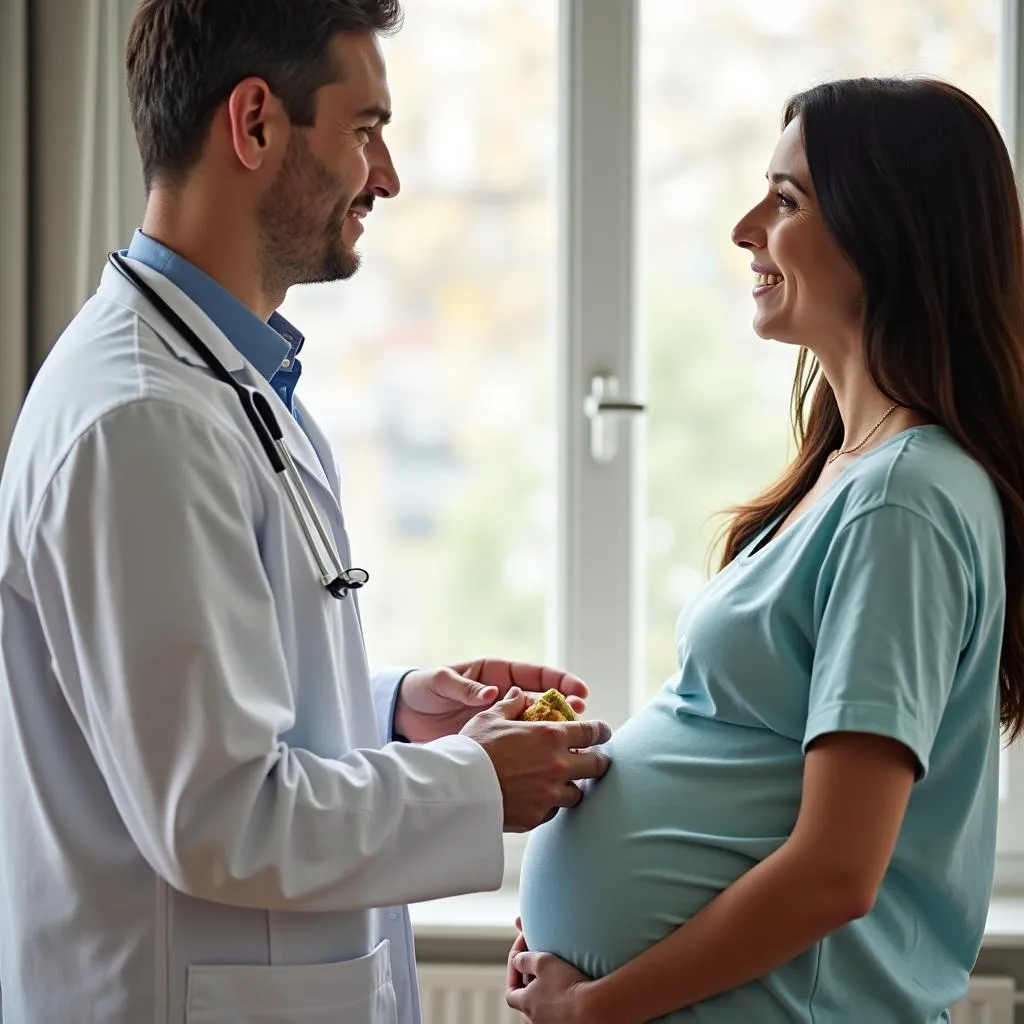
199	807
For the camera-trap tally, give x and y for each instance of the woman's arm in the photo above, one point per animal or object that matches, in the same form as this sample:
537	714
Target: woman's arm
855	793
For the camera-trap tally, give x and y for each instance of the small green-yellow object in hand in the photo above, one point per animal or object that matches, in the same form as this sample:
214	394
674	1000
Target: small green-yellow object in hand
550	706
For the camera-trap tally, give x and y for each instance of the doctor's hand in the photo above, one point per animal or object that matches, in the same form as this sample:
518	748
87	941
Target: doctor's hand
439	702
537	763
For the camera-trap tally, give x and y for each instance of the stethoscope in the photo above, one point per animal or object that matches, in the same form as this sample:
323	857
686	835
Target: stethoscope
337	580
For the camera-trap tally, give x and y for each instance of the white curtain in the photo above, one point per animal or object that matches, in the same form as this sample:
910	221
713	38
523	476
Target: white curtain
71	186
14	249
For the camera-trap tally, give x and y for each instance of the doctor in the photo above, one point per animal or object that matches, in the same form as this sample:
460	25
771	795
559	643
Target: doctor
211	813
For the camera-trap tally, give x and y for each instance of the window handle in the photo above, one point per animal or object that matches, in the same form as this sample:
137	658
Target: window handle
603	407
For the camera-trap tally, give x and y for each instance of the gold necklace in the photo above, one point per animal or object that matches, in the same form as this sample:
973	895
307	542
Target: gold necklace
867	437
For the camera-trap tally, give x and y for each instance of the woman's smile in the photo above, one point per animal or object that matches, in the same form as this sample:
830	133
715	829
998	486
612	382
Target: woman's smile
765	279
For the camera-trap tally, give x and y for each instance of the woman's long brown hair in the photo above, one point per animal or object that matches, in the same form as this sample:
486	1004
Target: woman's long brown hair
917	189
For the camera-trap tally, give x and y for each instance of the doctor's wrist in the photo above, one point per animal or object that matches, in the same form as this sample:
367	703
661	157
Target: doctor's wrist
397	736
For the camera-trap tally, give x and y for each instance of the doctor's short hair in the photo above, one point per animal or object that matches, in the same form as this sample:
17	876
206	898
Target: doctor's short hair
184	57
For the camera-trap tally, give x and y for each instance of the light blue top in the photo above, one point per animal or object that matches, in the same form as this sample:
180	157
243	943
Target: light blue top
880	610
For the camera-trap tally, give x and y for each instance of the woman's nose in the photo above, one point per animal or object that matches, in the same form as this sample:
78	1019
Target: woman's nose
747	234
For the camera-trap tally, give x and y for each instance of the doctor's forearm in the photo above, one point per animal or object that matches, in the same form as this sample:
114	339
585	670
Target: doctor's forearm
334	835
773	913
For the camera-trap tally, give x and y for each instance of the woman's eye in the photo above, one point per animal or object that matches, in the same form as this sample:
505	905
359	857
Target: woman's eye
785	202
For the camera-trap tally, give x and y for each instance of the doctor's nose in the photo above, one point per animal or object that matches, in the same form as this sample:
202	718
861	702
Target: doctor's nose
382	179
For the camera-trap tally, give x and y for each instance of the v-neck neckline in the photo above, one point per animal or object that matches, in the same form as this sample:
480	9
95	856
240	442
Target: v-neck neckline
770	534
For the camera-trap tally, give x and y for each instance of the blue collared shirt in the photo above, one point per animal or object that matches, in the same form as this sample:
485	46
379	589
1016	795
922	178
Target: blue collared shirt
271	347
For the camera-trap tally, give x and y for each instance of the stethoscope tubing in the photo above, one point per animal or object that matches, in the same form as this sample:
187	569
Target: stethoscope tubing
261	416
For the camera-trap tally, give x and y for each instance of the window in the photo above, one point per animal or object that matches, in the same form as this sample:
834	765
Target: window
571	173
433	370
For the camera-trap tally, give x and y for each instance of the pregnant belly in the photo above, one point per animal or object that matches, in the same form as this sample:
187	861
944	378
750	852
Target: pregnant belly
688	805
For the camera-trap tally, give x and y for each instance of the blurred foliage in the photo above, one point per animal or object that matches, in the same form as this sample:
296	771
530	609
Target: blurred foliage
714	440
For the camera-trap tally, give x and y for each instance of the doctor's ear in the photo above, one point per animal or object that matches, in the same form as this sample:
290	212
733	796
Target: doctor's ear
258	122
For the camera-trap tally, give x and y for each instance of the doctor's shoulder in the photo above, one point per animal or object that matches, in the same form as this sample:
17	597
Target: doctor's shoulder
109	357
109	399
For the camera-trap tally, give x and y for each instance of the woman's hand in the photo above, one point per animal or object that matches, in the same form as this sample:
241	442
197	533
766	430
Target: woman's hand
547	990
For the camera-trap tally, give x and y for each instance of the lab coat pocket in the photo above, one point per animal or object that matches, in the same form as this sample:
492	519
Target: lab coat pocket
352	992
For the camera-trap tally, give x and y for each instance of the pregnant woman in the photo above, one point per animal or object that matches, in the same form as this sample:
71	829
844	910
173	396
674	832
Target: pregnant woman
801	826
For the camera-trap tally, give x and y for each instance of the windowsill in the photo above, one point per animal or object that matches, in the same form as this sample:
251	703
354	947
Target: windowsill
490	917
483	917
1005	926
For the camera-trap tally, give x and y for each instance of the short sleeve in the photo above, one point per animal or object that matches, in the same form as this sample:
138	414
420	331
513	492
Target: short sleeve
893	607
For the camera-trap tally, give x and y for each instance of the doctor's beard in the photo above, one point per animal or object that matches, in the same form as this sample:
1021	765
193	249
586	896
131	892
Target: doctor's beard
300	243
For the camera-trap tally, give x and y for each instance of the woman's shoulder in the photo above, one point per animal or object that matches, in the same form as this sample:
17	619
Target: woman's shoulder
925	471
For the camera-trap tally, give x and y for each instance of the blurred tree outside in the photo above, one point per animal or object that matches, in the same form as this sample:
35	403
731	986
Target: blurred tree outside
715	439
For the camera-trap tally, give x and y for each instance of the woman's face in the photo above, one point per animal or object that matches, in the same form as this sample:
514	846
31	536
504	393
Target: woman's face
805	290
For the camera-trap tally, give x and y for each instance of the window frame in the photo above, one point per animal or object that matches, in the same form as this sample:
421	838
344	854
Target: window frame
599	607
1010	843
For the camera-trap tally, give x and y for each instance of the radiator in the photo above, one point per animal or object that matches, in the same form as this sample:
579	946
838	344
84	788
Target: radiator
454	994
989	1000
